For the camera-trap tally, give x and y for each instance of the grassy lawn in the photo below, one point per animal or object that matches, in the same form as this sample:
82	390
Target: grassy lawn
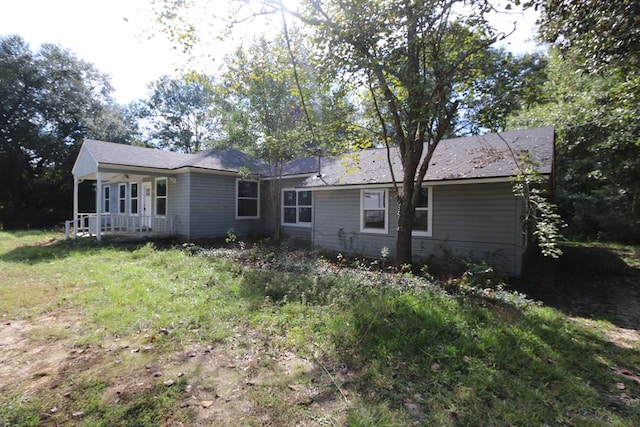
146	334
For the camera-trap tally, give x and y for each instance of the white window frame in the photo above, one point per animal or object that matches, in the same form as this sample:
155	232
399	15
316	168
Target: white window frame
122	198
257	198
106	199
429	210
165	197
133	201
297	207
364	229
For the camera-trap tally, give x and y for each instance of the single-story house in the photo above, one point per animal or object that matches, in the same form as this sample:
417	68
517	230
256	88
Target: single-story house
341	204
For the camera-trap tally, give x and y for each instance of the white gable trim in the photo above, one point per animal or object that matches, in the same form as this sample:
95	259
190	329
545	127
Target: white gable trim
85	165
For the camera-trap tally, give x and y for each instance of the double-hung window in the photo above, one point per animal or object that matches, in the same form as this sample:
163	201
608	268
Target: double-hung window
247	199
122	198
422	219
297	208
133	198
374	215
161	196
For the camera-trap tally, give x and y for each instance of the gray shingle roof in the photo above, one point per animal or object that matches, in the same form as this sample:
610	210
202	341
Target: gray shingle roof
475	157
484	156
128	155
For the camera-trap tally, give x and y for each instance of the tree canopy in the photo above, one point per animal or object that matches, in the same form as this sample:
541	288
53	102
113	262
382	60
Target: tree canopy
595	33
597	121
181	113
50	101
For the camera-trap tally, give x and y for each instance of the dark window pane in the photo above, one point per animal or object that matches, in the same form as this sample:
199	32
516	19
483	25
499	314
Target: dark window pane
161	206
423	200
123	191
304	215
134	190
134	206
374	219
304	198
421	221
247	207
290	215
107	193
289	198
161	187
122	206
248	189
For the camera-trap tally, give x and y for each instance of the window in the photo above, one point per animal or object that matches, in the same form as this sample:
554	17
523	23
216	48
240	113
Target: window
161	196
122	198
374	215
247	199
133	199
296	208
422	220
107	199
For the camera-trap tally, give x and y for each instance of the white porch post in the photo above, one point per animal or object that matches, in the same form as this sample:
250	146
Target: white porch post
99	206
75	207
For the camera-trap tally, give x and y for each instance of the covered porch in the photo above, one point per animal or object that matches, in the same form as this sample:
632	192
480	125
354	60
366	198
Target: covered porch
125	205
119	199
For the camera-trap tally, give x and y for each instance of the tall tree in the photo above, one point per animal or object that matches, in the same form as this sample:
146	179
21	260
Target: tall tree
597	119
417	58
114	123
181	113
264	110
595	86
49	98
510	83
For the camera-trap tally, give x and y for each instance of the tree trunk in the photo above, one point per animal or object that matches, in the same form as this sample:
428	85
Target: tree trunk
404	253
406	212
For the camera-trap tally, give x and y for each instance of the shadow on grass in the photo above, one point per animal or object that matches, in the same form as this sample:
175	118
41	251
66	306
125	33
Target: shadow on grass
465	364
427	358
590	281
51	248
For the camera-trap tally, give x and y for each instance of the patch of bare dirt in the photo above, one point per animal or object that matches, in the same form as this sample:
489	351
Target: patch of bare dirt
227	381
33	353
224	381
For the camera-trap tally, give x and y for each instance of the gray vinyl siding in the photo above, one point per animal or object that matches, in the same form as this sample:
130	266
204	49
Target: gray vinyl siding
337	225
213	208
480	221
179	203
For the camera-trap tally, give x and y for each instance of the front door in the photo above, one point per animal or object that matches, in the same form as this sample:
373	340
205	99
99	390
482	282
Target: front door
147	206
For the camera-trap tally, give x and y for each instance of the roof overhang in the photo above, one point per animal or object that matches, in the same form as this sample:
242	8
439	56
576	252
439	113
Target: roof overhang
461	181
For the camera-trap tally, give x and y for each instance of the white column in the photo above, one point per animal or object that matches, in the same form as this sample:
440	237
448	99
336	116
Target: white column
99	206
75	207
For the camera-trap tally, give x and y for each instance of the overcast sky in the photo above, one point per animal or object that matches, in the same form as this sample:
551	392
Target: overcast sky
119	38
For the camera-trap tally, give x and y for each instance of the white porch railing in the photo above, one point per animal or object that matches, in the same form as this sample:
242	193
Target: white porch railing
88	223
